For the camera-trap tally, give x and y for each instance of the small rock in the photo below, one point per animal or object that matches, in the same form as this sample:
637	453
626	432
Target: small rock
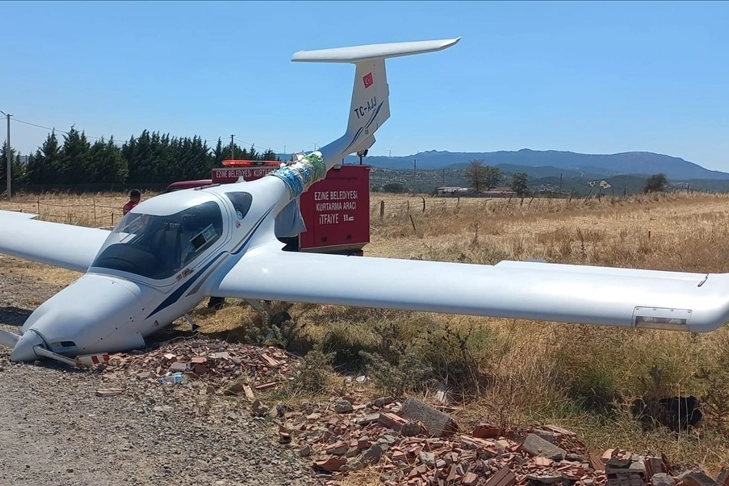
427	458
338	449
546	478
371	455
410	429
258	409
343	406
382	401
305	451
662	479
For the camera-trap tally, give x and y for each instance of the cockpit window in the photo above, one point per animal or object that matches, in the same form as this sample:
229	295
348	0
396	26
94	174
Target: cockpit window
241	202
157	247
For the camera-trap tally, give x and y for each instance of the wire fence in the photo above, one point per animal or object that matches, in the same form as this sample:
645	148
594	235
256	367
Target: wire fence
104	210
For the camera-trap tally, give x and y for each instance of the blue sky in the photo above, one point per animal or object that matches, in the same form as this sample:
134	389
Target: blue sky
588	77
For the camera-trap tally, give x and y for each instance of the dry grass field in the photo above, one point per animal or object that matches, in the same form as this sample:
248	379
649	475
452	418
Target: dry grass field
509	372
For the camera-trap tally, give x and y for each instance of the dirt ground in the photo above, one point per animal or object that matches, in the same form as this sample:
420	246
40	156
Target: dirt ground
57	431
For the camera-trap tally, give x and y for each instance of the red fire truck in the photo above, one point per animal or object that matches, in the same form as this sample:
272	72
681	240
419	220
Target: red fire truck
336	210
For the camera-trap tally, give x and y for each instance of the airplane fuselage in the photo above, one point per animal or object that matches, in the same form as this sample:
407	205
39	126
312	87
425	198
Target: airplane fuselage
145	277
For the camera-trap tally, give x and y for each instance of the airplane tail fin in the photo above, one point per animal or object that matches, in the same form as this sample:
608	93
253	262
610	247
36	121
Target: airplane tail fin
369	109
370	105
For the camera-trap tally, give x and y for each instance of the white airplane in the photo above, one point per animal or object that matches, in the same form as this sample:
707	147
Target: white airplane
174	250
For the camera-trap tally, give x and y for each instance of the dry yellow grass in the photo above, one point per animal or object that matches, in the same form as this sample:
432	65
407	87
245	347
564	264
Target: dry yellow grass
534	371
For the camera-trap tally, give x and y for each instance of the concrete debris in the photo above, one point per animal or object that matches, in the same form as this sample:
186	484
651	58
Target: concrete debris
435	422
236	368
409	443
372	436
537	446
696	478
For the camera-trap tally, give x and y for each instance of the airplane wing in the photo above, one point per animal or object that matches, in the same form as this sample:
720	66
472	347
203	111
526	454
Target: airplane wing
61	245
693	302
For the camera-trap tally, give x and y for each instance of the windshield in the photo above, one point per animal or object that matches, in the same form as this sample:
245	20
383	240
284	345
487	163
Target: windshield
157	247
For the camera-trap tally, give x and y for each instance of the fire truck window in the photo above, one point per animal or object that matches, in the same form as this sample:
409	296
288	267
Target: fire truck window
241	202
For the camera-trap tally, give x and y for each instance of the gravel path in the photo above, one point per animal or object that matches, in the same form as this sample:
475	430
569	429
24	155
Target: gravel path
54	430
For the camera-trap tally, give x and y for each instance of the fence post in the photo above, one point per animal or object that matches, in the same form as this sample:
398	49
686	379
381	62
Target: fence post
421	197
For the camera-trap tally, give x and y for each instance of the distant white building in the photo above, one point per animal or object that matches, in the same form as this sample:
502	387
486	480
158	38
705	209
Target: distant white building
450	191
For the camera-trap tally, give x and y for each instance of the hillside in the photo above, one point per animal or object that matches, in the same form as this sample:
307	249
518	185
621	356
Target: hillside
425	181
590	165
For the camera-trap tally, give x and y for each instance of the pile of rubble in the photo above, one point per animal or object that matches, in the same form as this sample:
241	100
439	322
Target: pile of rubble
408	443
219	363
415	444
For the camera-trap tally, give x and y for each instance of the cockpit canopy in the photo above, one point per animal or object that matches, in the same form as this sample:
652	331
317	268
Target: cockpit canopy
159	246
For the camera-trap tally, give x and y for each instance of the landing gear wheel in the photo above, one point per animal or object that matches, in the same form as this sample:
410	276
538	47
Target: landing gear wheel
216	303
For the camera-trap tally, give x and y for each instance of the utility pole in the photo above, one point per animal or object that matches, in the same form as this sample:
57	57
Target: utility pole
232	147
415	164
443	177
7	147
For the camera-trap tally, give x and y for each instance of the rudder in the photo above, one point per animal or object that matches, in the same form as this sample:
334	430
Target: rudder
370	105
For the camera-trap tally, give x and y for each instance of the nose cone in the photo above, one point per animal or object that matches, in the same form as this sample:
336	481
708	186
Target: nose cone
88	316
23	350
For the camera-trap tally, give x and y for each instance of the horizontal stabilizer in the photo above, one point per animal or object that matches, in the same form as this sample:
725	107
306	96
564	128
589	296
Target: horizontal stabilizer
373	51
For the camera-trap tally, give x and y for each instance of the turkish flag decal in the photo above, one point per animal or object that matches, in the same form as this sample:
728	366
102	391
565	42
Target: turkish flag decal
367	80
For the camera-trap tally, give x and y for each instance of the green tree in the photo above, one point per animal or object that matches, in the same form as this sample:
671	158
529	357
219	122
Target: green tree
476	175
656	183
74	164
108	162
493	177
519	184
395	187
17	168
44	167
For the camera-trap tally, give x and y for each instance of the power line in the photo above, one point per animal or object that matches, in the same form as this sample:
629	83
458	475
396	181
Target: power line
53	129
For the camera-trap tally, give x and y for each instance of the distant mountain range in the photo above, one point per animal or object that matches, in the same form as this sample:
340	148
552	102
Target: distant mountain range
552	163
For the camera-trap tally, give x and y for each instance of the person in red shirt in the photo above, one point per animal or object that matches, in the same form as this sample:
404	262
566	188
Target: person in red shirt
134	198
